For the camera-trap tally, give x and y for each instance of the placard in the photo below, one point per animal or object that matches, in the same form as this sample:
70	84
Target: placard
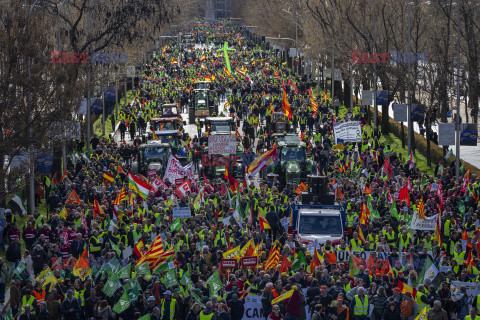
400	112
228	263
350	131
151	172
427	224
367	97
222	144
182	189
249	262
159	184
175	170
130	71
446	134
181	212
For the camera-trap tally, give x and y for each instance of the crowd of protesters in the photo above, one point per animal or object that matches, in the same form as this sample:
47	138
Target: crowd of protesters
44	252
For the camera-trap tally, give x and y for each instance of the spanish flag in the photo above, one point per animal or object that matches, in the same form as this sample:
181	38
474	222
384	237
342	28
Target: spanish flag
108	176
138	248
404	288
232	182
285	104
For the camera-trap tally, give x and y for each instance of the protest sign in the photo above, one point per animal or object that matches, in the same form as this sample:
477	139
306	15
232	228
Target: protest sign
151	172
176	171
229	263
222	144
473	288
182	189
350	131
159	184
422	224
249	262
181	212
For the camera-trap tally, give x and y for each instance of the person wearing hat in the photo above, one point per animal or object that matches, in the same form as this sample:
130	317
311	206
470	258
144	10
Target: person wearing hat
151	304
208	313
168	306
181	306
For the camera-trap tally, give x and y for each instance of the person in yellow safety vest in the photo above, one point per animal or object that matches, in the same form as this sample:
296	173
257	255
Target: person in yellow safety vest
459	255
360	305
208	312
148	226
351	221
356	243
95	245
473	315
446	228
29	299
389	235
421	299
404	240
317	138
168	306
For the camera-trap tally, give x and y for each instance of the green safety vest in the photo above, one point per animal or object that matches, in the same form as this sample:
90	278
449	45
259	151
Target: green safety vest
361	309
148	228
136	235
350	220
356	244
446	228
470	317
421	305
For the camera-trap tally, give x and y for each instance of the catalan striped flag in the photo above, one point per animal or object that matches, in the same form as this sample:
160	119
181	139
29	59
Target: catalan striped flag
314	105
162	258
122	196
97	208
153	252
262	161
273	258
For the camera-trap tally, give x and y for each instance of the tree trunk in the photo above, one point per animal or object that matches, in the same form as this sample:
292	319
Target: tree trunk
385	118
346	93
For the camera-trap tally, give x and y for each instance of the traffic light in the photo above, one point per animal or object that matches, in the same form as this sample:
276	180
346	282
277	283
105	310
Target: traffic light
263	39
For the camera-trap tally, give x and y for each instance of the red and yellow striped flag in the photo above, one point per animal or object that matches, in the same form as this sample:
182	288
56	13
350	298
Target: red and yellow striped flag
154	251
285	104
122	196
273	258
108	176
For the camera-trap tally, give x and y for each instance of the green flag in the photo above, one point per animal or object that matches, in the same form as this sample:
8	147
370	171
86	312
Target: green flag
170	279
111	286
197	299
165	266
299	261
116	248
132	283
353	266
110	266
122	304
393	210
214	283
134	294
124	273
373	212
429	271
143	268
145	317
19	269
176	225
186	281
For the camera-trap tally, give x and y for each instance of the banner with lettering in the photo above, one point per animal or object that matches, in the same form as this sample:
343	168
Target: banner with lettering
176	171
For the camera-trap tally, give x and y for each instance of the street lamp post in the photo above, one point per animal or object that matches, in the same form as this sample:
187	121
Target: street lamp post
458	122
375	109
409	101
64	133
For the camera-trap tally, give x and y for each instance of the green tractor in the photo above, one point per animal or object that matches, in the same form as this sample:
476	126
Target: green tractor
204	105
293	164
151	156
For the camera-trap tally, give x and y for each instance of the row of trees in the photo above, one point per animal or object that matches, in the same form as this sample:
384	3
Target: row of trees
326	27
37	95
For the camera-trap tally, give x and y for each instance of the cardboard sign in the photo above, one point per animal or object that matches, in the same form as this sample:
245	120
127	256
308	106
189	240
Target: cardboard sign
222	144
151	172
182	189
229	263
181	212
178	181
249	262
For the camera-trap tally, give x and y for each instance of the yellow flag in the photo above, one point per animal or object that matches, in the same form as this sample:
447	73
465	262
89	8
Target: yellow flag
422	315
63	213
232	253
283	296
50	279
44	274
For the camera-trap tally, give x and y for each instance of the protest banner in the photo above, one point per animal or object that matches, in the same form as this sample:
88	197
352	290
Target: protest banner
176	171
422	224
254	309
350	131
151	172
222	144
181	212
473	288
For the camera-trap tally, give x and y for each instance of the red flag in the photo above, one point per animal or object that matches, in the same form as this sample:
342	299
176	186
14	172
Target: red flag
387	168
404	195
285	264
465	181
232	182
440	194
